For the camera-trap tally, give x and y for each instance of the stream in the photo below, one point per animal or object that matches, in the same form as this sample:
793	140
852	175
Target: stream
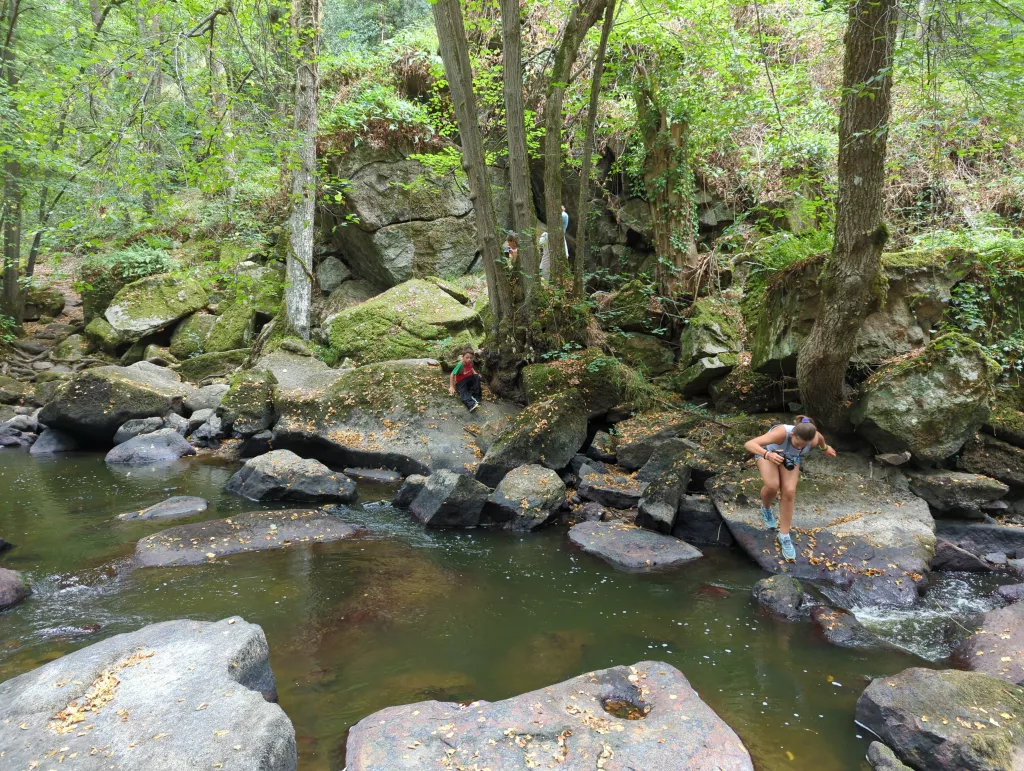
406	615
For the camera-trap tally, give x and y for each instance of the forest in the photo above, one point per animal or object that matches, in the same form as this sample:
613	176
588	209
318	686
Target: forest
519	341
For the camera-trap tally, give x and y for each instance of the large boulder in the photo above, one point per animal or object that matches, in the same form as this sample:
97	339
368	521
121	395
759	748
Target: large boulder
955	491
548	432
868	537
646	716
13	589
150	304
395	415
178	695
98	401
448	499
997	646
527	498
156	447
929	403
281	475
630	548
946	719
416	319
258	531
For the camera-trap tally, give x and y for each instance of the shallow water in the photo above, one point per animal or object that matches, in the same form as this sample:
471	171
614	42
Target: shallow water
408	615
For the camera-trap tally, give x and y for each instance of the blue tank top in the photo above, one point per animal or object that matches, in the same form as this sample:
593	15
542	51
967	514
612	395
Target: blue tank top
787	449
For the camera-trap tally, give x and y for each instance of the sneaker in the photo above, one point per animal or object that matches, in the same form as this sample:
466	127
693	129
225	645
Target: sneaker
475	405
788	550
768	518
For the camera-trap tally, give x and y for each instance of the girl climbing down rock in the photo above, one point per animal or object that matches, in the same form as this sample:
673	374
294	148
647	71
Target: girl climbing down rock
778	455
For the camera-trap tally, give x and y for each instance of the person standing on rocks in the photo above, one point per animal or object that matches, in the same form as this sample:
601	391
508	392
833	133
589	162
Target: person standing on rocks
778	455
465	379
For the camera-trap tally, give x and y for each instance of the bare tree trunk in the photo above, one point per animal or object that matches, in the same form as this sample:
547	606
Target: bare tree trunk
668	177
585	14
298	295
451	35
524	217
588	151
11	299
853	266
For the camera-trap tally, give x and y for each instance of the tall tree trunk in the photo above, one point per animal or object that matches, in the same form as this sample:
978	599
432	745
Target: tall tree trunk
588	151
668	177
853	266
11	300
524	217
451	35
585	14
298	295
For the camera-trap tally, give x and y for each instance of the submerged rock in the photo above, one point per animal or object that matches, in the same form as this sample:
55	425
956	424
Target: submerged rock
631	548
782	596
156	447
281	475
177	695
870	539
13	589
527	498
946	719
646	716
997	647
259	531
448	499
176	507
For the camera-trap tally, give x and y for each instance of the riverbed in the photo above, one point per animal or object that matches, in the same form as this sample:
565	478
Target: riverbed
406	615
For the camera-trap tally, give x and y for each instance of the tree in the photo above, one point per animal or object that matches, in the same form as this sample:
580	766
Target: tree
850	271
584	15
588	150
298	297
451	35
524	217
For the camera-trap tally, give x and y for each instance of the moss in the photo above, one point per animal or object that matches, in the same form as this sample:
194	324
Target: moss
207	365
415	319
232	329
248	405
102	335
189	338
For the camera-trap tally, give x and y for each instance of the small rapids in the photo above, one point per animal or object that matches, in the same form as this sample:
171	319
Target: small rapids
941	620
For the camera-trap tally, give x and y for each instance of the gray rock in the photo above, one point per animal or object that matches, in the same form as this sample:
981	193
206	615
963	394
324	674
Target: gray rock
330	273
956	491
13	589
698	522
955	703
527	498
631	548
950	557
257	444
449	500
882	758
409	490
137	427
210	433
176	507
156	447
671	728
997	647
281	475
610	488
197	418
206	398
782	596
53	441
201	542
182	694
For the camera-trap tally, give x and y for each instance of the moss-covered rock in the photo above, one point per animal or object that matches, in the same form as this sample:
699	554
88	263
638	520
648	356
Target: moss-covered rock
13	391
248	406
233	329
150	304
696	378
744	390
71	348
413	320
103	336
189	338
207	365
712	328
548	433
929	403
647	353
593	374
43	301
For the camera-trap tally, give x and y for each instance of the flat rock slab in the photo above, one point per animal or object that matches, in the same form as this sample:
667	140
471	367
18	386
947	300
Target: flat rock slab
176	507
868	538
260	531
997	647
568	722
631	548
175	696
